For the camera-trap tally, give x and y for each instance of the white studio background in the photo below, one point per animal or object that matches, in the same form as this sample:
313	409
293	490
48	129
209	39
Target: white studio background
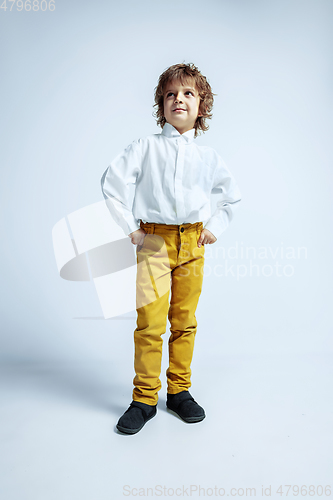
77	87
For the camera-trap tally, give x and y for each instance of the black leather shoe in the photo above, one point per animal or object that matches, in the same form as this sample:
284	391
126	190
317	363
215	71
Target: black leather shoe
186	407
135	417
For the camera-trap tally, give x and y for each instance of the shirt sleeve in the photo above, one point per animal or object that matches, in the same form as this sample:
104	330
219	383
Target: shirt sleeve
120	174
225	185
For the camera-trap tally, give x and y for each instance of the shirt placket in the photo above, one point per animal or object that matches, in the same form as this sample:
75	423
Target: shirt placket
180	202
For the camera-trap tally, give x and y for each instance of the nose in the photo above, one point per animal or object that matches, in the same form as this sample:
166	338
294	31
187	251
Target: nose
178	98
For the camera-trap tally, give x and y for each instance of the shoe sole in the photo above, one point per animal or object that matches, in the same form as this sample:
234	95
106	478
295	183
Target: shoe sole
126	430
188	420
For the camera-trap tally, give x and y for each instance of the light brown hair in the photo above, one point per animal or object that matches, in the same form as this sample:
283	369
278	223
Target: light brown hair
185	72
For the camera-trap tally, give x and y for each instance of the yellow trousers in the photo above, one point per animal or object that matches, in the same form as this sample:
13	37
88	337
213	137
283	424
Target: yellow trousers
169	258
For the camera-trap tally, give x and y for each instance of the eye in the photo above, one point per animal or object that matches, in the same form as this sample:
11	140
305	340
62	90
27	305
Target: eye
169	94
189	92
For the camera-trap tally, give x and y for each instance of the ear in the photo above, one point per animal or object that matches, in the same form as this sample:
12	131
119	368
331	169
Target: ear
200	111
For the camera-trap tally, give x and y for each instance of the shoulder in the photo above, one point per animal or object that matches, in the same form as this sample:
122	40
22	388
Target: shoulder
154	138
136	147
136	143
143	142
150	143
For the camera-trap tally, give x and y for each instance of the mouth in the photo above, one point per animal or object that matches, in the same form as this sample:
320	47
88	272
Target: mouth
179	109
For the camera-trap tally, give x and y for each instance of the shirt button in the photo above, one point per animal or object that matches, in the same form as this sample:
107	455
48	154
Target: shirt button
181	229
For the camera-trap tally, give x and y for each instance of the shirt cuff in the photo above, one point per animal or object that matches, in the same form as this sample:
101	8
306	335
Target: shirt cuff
133	225
215	227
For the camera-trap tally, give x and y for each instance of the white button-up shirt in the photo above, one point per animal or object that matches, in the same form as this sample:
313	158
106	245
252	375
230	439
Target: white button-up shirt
173	179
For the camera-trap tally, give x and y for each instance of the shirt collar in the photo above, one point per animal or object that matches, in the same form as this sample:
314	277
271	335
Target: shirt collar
171	132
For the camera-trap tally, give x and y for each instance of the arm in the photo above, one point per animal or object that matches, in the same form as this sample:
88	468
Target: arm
229	201
120	174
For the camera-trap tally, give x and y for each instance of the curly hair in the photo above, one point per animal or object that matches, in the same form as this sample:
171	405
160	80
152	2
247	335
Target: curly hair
185	72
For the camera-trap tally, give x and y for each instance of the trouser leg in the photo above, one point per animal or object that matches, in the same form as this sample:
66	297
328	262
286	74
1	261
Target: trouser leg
153	286
148	341
186	286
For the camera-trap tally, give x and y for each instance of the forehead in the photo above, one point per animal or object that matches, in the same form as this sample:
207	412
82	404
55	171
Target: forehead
186	83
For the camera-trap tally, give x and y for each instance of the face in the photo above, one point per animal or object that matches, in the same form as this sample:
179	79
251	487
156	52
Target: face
181	105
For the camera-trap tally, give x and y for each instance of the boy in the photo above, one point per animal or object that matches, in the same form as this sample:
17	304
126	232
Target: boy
173	180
